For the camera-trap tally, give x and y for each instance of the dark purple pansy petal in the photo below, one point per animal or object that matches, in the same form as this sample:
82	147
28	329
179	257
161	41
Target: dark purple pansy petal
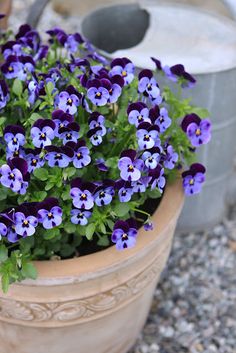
188	119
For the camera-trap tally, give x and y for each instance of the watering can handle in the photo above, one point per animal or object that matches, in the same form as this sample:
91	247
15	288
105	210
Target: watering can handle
37	9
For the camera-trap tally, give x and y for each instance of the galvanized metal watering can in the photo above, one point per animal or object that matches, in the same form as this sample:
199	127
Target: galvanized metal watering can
206	44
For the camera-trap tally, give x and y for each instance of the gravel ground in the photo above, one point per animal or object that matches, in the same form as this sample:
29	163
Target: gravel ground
194	307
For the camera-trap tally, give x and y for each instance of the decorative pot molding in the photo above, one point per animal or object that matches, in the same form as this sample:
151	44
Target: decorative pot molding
79	311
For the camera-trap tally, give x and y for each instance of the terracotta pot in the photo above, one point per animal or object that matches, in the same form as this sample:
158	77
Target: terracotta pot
5	8
96	303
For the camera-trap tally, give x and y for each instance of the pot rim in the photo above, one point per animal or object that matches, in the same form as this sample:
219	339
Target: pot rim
109	259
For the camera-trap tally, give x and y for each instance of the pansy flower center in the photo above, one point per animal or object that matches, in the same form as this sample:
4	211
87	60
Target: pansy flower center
14	140
79	155
101	194
149	86
150	159
125	236
123	193
61	125
146	137
11	176
25	223
130	168
140	118
68	136
80	215
43	136
10	68
50	215
69	101
58	156
34	161
110	91
83	196
191	181
98	95
124	73
198	132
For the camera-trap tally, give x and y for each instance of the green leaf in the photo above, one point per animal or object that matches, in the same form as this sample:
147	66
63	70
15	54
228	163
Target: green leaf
51	233
5	282
110	224
102	228
103	241
17	87
2	120
29	270
39	196
70	227
3	194
41	174
3	253
49	88
121	209
90	229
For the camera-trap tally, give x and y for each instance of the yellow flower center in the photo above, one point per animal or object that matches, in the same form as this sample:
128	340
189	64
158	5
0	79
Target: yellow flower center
10	68
14	140
26	222
83	196
34	161
130	168
124	73
69	100
191	181
42	135
98	94
198	132
125	236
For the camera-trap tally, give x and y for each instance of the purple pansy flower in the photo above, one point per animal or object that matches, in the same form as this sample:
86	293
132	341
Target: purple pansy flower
157	63
193	179
113	85
130	167
138	113
3	229
197	130
81	154
33	159
103	194
42	132
123	67
49	213
171	158
25	222
95	135
14	135
97	93
125	190
68	100
101	164
18	67
141	184
160	118
157	178
61	119
97	120
58	156
80	217
124	234
148	136
72	42
176	72
13	173
82	194
12	154
148	226
69	132
151	158
12	48
149	87
4	94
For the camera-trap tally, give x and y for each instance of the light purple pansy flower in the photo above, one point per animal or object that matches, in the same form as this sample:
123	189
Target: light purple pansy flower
149	87
12	175
151	158
103	194
80	216
12	48
141	184
81	156
197	130
3	229
49	213
171	158
97	120
130	167
97	93
124	234
193	179
138	113
95	135
177	72
157	178
61	119
69	132
148	226
4	94
14	135
68	100
148	136
18	67
160	117
42	132
123	67
125	190
25	224
82	194
58	156
33	159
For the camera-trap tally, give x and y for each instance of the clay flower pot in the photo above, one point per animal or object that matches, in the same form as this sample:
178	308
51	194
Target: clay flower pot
96	303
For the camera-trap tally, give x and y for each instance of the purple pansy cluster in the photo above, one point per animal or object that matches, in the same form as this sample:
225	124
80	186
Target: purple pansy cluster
92	133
